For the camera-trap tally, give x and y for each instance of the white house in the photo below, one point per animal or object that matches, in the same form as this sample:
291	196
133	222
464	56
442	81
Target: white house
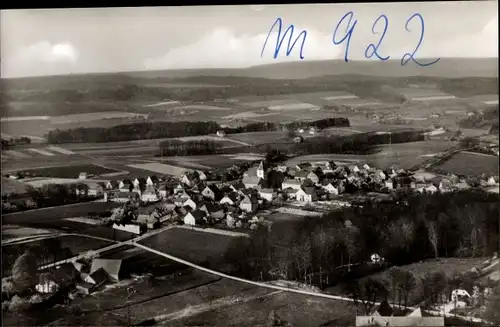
189	203
354	168
330	188
112	185
389	184
201	175
249	204
301	175
125	186
306	194
221	133
152	181
492	181
187	180
267	194
196	217
178	189
82	176
230	199
95	189
150	195
292	183
251	182
366	166
313	177
431	189
46	284
210	191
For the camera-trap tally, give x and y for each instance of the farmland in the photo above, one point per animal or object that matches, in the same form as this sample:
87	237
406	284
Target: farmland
198	247
471	164
258	138
160	168
67	171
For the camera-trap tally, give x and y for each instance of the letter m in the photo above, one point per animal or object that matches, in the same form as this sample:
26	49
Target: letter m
280	38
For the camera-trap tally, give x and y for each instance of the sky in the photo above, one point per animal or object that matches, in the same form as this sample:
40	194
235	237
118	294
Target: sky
65	41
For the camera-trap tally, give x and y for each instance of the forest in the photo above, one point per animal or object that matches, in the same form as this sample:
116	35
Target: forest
406	230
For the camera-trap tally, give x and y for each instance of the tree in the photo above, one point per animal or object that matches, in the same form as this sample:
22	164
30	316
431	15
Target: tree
367	292
407	285
492	312
432	235
8	287
24	272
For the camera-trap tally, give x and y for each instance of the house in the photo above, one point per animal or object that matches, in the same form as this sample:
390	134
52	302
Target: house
267	194
213	210
251	182
152	181
168	205
313	177
281	168
47	284
124	197
416	318
445	185
201	175
95	280
150	194
462	185
298	139
301	175
211	191
130	228
112	185
291	183
188	179
178	189
389	184
431	189
303	166
113	268
82	176
366	167
493	180
221	133
354	168
313	130
196	217
139	182
237	187
306	194
190	203
249	203
165	190
230	199
125	185
330	188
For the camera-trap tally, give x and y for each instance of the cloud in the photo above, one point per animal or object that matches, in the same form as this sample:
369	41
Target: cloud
221	48
45	52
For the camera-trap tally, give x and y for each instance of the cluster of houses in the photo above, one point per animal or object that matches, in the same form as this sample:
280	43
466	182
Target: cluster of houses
80	276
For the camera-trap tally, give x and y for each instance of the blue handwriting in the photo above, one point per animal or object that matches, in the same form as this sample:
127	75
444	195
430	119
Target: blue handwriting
373	47
371	50
280	39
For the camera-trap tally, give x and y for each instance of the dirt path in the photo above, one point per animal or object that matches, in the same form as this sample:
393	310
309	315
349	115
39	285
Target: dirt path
201	308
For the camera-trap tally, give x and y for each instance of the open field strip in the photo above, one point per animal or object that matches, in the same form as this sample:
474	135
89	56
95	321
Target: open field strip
161	168
159	104
16	154
491	102
22	118
6	136
248	158
432	98
60	150
43	152
189	164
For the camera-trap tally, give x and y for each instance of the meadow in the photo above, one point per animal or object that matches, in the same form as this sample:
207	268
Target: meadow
67	171
258	138
469	164
195	246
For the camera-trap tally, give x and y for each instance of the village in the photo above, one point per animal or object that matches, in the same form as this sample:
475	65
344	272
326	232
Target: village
201	199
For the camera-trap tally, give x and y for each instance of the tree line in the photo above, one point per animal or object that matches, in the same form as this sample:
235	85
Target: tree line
8	143
362	143
49	195
153	130
177	147
478	120
409	229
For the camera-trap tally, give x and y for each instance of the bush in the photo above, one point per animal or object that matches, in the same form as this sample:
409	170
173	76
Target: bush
19	304
8	287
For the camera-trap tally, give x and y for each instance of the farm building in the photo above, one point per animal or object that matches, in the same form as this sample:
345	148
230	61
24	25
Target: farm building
113	268
306	194
196	217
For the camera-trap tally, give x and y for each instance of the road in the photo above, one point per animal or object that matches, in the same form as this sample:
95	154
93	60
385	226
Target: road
134	242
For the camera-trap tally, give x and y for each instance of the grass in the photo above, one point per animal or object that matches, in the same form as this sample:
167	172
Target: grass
258	138
54	213
160	168
67	171
300	310
470	164
195	246
449	266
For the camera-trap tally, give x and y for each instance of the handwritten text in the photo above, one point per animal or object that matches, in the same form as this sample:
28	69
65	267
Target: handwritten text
343	36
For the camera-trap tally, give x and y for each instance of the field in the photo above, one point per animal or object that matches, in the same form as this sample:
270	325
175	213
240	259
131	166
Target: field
54	213
160	168
300	310
470	164
258	138
12	186
449	266
195	246
67	171
13	231
401	155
